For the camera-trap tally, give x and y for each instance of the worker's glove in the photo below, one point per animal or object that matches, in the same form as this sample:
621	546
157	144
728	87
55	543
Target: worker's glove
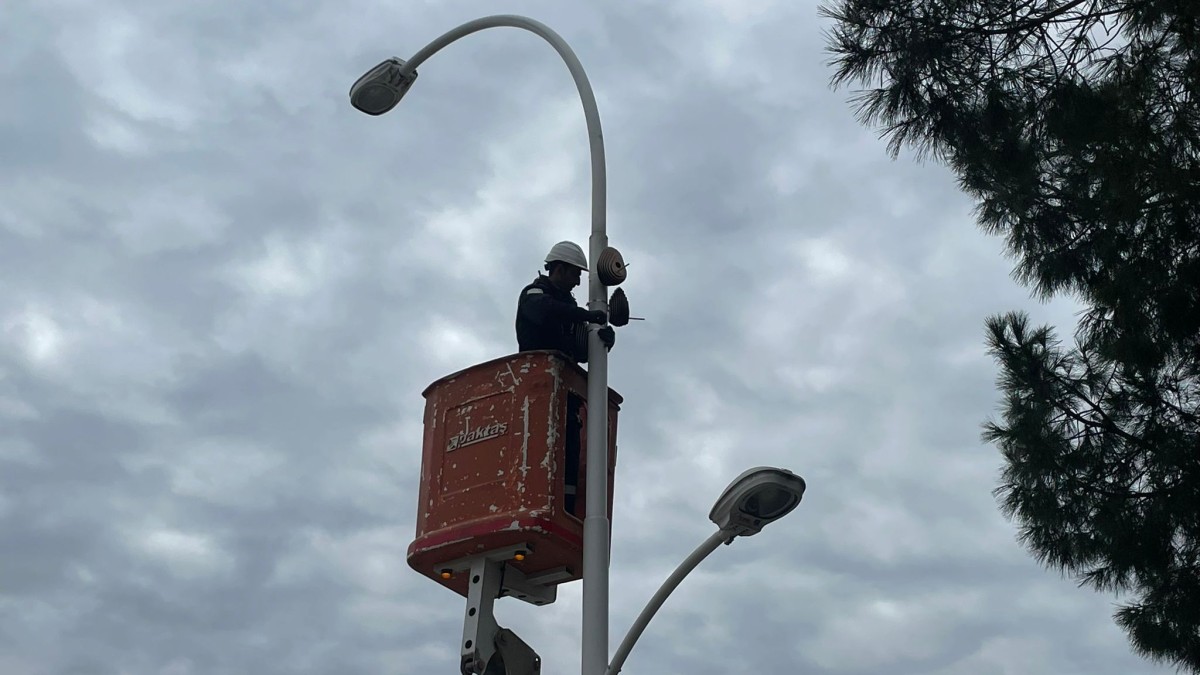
608	336
597	316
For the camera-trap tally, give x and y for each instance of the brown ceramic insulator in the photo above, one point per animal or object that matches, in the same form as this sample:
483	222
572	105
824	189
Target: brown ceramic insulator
611	267
618	308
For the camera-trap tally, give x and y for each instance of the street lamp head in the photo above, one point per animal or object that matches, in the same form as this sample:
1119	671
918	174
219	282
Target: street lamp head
759	496
382	87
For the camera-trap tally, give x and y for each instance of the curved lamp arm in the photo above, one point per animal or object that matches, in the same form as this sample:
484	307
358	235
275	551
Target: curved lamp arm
635	631
586	96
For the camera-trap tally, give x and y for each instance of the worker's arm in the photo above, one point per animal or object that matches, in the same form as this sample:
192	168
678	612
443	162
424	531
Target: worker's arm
540	306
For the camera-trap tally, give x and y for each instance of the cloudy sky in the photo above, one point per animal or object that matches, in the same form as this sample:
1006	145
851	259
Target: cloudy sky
222	291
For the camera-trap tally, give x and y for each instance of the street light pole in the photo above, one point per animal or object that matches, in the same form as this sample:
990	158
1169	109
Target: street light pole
596	525
757	497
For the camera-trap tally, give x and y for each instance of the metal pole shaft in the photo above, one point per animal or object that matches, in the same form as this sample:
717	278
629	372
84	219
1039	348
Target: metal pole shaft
595	527
595	524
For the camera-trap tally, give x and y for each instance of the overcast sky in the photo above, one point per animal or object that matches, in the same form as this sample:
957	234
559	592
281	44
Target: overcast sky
222	291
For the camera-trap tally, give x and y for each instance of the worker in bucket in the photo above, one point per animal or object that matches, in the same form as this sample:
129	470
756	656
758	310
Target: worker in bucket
548	316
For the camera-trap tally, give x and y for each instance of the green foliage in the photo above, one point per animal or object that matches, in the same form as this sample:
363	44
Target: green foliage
1103	474
1075	125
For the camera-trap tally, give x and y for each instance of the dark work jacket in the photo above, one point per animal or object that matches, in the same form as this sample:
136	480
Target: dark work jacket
549	318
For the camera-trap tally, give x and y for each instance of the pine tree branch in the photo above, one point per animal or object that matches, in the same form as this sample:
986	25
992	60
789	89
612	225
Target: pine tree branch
1030	22
1105	421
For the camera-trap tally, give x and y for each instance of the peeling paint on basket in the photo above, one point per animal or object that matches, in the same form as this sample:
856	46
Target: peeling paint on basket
525	438
516	381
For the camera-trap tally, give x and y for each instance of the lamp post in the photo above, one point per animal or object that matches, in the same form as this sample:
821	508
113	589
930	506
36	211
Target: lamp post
377	92
754	499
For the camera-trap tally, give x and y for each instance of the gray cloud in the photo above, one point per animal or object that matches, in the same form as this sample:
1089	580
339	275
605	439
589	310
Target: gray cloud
224	290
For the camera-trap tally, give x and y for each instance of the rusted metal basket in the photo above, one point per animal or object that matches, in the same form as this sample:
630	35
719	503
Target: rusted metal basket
502	469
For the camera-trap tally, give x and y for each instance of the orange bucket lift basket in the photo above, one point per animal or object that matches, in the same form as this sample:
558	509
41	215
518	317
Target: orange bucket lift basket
502	474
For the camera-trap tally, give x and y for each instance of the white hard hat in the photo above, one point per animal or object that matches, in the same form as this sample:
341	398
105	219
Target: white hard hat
568	252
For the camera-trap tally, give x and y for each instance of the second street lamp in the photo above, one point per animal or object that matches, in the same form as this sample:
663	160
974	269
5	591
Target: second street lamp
755	499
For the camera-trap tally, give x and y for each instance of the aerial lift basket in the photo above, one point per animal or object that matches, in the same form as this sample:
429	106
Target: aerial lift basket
502	473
